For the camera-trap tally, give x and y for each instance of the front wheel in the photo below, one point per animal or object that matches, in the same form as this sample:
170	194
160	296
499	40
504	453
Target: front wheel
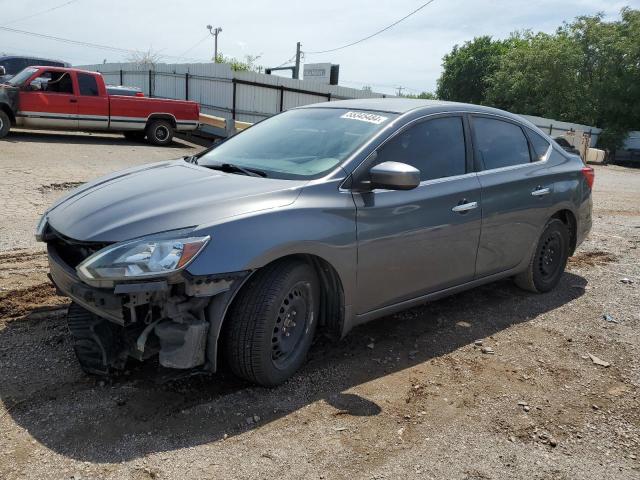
160	132
5	124
549	259
271	323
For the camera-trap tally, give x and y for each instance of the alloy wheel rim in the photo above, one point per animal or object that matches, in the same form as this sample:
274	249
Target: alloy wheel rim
294	316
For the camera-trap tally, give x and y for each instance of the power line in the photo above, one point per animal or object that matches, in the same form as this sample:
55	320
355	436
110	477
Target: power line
378	32
287	61
86	44
62	5
206	37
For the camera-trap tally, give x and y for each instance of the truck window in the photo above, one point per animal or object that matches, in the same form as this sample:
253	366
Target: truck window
88	85
56	82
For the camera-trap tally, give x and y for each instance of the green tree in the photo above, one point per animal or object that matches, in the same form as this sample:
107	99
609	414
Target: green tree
249	64
467	68
539	75
421	95
588	71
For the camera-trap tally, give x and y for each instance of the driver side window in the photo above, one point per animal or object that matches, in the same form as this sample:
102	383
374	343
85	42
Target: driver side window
435	147
56	82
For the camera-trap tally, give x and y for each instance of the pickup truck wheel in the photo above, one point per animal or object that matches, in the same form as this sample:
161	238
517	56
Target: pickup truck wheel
271	323
134	136
549	259
5	124
160	132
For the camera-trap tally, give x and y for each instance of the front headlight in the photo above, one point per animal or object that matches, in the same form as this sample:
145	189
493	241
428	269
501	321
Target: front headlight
142	258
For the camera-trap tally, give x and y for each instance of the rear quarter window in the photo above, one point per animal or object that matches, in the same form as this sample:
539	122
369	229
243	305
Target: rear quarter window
500	144
539	144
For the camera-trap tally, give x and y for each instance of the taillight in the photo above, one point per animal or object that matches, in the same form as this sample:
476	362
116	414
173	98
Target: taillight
589	175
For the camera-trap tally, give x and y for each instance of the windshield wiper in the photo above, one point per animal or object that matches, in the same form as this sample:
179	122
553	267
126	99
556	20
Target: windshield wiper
191	159
232	168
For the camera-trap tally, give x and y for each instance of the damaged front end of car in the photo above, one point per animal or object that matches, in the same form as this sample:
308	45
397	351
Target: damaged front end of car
136	299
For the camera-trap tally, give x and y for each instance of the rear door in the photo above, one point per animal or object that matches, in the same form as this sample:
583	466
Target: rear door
423	240
516	192
52	103
93	105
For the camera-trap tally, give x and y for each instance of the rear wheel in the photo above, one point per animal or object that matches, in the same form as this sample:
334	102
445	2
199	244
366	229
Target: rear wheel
549	259
5	124
271	323
160	132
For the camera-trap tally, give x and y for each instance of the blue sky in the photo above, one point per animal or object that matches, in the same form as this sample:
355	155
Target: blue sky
408	55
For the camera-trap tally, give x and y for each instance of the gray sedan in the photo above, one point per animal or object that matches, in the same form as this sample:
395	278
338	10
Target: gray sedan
320	218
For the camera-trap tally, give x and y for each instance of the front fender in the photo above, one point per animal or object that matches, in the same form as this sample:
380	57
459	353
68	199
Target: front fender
321	222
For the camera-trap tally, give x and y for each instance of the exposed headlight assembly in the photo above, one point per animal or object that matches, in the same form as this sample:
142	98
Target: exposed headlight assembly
139	259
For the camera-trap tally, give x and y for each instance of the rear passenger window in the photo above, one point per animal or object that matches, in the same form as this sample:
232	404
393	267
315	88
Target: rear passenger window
88	85
501	144
435	147
539	143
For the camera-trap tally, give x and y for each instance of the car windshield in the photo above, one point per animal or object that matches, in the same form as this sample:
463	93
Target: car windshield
22	77
304	143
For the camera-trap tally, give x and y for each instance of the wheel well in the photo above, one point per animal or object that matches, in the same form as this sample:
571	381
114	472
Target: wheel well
9	112
568	218
331	315
161	116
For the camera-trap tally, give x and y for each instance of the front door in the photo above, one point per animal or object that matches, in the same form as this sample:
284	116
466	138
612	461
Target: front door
415	242
51	103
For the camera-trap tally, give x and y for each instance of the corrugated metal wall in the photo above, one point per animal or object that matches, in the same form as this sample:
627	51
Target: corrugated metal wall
211	85
556	128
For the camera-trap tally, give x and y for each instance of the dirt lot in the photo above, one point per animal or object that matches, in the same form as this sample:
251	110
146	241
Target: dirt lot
409	396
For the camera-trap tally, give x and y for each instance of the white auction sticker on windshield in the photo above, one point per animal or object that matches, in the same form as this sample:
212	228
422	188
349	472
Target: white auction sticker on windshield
365	117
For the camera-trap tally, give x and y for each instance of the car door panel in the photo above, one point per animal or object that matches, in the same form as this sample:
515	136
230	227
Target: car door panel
514	206
515	199
423	240
48	109
413	242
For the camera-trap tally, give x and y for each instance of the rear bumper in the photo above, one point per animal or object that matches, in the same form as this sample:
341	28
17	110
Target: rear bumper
99	301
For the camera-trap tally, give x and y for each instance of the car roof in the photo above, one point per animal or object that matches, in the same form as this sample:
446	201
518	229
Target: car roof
8	57
63	69
403	105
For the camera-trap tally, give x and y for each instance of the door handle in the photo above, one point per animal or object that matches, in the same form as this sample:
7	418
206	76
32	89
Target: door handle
73	100
539	192
464	207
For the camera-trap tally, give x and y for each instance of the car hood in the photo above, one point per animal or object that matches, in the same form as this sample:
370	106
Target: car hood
161	197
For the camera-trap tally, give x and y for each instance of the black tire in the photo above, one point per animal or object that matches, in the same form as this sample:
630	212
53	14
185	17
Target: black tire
5	124
134	136
160	132
548	261
262	342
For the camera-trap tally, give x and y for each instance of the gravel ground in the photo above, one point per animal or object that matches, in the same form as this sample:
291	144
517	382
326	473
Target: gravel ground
408	396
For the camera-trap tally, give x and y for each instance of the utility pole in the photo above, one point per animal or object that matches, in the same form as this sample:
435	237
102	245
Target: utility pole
296	71
399	93
214	33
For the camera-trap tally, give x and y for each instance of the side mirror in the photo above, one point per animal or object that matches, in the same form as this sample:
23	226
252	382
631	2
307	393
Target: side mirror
394	176
3	71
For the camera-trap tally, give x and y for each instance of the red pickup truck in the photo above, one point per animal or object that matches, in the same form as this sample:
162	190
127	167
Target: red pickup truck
56	98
